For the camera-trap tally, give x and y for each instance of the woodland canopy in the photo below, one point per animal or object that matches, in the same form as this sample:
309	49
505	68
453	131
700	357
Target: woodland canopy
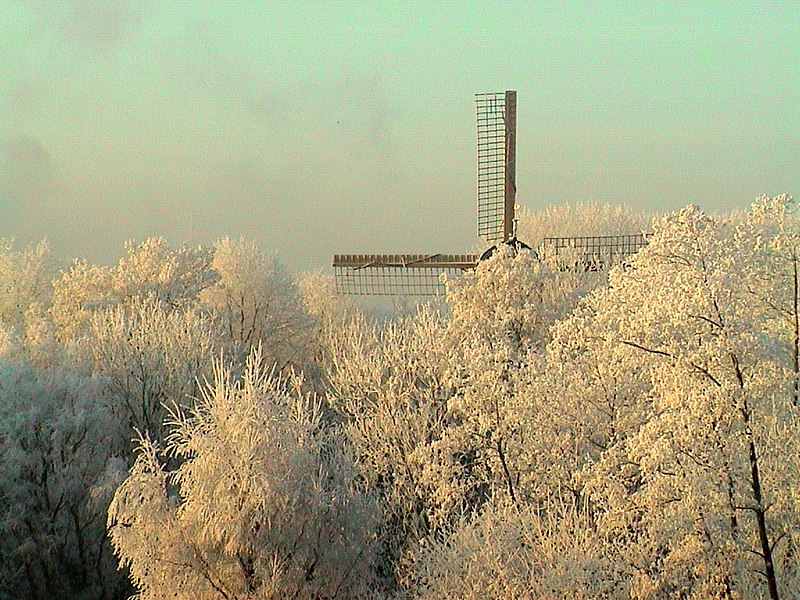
198	423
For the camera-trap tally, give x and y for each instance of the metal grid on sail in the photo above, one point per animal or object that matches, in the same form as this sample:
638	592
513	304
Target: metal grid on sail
597	252
397	274
491	164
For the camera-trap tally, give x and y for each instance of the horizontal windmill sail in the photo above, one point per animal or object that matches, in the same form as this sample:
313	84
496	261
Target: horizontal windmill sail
397	274
594	253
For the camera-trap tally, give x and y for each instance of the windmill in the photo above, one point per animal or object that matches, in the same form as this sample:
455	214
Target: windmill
419	274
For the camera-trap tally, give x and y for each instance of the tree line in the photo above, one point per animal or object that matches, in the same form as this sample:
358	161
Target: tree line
196	423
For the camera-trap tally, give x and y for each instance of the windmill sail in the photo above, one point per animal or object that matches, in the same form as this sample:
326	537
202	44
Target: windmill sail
420	274
397	274
497	131
594	253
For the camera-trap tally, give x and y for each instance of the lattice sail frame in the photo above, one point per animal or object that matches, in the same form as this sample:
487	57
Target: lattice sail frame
594	253
397	274
497	132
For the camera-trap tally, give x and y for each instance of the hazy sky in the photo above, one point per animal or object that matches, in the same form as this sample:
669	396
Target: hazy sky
322	127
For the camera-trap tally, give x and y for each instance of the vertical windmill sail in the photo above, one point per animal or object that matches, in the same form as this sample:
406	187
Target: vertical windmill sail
497	152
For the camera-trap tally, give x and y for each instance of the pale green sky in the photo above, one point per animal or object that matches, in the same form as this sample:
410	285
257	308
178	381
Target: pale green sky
322	127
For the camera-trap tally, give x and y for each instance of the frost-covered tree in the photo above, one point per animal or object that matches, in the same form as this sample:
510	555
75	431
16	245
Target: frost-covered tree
25	296
514	551
662	413
329	316
253	496
150	357
25	279
385	383
61	456
86	357
77	294
769	243
694	471
430	400
138	325
319	297
498	323
497	317
257	304
171	277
